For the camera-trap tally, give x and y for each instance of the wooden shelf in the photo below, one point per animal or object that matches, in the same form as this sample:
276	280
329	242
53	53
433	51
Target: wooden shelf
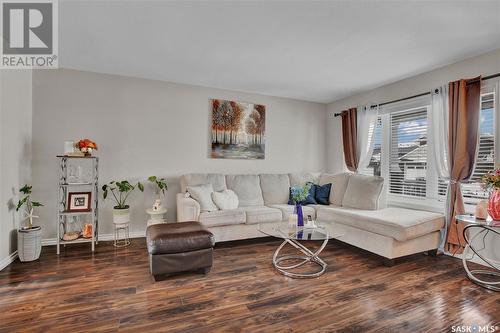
68	156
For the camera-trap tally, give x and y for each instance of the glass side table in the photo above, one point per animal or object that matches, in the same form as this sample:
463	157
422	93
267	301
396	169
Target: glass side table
482	240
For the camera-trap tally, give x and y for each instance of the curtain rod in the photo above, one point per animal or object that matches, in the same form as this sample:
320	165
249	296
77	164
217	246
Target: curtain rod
419	95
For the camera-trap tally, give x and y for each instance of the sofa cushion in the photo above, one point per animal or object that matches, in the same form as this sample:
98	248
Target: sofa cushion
217	180
301	178
286	210
363	192
226	199
247	188
274	188
222	217
203	195
261	214
322	193
399	223
339	185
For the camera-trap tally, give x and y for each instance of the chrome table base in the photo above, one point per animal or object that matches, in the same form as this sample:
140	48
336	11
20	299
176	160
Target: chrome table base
477	275
300	260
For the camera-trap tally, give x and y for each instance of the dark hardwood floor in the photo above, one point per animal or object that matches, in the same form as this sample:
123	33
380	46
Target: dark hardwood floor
112	290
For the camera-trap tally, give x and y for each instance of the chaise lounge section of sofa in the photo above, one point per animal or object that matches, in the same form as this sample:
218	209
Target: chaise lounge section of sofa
357	207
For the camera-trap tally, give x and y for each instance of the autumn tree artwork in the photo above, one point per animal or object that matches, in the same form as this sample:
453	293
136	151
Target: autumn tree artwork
238	130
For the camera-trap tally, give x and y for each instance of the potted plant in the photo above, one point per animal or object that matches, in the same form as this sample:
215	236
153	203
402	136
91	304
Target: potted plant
120	191
299	194
491	181
161	187
29	237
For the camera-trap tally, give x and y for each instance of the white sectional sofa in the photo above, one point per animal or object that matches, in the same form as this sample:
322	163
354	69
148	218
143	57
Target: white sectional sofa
357	207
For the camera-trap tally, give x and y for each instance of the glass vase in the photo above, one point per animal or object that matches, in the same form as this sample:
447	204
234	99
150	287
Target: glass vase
300	216
494	205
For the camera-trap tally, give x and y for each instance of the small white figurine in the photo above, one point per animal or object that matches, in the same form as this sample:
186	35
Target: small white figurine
157	205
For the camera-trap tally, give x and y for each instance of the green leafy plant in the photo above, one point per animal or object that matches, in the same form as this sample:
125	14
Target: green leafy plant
160	184
30	204
120	191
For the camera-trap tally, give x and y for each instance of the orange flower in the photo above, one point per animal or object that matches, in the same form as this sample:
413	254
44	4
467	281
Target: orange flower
86	143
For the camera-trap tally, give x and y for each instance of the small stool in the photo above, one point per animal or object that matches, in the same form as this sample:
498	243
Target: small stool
179	247
125	241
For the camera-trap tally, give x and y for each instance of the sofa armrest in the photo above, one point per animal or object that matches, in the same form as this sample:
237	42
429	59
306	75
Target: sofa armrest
188	209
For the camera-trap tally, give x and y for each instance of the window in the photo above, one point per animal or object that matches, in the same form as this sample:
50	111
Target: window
472	190
373	168
402	157
408	153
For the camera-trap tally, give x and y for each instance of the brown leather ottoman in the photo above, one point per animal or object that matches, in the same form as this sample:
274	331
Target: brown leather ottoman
179	247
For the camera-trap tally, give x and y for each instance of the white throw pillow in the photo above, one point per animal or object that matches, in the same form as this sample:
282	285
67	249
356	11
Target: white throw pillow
226	199
203	194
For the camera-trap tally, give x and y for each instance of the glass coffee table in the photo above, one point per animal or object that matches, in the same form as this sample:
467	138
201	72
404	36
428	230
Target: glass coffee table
287	264
481	237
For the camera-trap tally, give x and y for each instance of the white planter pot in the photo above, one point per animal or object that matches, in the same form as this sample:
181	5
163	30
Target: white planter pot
121	216
29	243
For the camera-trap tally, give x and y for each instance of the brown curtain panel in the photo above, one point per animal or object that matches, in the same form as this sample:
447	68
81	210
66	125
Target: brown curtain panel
464	112
350	138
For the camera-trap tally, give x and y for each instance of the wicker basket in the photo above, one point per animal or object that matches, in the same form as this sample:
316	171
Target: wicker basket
29	243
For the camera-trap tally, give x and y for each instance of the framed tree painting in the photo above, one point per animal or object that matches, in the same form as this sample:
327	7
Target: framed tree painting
238	130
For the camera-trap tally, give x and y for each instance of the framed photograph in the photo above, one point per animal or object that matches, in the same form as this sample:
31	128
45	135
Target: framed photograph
79	201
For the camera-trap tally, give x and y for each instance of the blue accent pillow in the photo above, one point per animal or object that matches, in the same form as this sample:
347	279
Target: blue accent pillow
310	200
322	194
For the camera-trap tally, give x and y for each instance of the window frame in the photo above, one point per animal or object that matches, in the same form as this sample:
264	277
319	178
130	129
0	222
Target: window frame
407	112
430	201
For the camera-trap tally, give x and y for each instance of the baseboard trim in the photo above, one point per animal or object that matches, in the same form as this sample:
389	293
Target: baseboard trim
8	260
102	237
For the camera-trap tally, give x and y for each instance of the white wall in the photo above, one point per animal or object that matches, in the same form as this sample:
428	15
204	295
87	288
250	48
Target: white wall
146	127
15	152
485	64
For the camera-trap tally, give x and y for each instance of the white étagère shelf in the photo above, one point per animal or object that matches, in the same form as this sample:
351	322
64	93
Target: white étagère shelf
66	218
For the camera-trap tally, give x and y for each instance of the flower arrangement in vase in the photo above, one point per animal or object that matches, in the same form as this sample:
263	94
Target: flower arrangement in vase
491	181
299	194
86	146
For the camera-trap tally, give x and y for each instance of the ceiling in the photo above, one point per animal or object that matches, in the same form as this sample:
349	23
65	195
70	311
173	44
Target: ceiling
314	51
